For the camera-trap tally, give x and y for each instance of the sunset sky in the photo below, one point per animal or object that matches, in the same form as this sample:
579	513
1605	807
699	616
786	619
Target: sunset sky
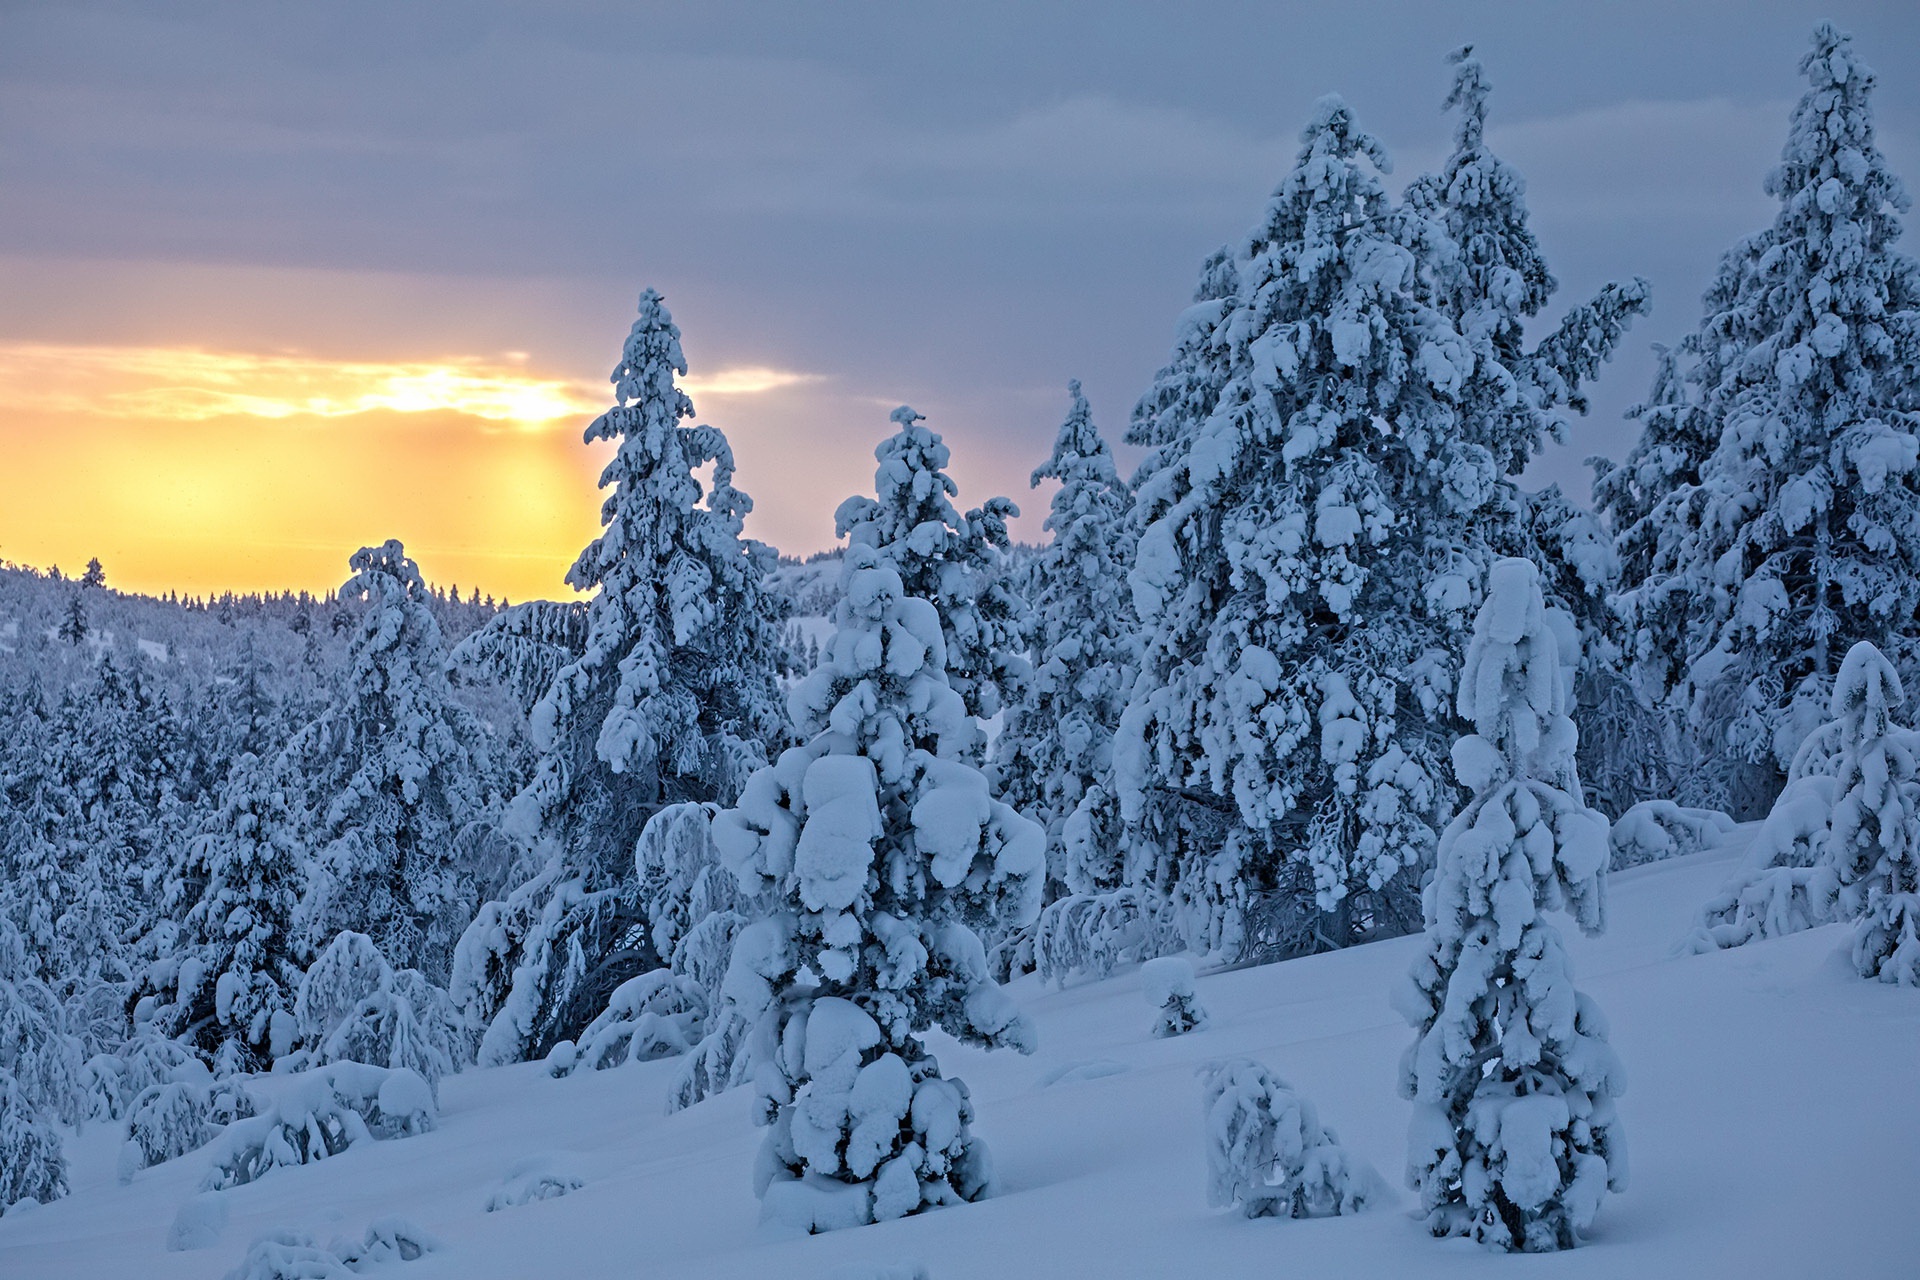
277	280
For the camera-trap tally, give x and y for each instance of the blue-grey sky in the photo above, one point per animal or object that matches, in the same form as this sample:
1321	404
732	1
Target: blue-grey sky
959	206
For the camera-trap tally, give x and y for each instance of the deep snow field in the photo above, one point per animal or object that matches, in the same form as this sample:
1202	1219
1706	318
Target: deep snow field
1772	1119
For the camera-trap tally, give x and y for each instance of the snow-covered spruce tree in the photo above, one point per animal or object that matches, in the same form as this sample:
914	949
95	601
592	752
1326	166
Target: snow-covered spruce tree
876	853
75	835
38	1049
1493	281
1628	747
1802	533
958	564
1514	1139
1676	436
525	646
396	767
32	1166
43	871
1516	400
1874	843
227	983
1053	759
673	696
1186	391
1282	752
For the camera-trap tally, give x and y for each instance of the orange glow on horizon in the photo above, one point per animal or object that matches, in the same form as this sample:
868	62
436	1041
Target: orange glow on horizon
191	384
207	471
199	470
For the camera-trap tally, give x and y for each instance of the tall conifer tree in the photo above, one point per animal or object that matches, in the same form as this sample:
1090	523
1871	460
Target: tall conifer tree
672	696
1801	535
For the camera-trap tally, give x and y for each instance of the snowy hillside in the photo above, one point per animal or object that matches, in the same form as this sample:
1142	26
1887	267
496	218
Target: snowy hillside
1773	1129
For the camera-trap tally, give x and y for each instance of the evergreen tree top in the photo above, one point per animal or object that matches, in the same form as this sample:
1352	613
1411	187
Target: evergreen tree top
1329	194
381	572
646	370
912	490
1511	687
1831	140
655	511
1470	91
1080	455
1819	308
388	579
1481	200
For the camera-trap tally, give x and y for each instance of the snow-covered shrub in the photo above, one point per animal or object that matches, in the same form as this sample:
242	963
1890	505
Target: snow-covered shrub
115	1081
1786	885
321	1114
1654	830
1514	1138
1874	842
694	908
292	1255
288	1255
387	1240
181	1115
656	1015
1168	983
103	1080
46	1061
407	1023
1268	1152
353	1007
348	970
873	852
1089	934
535	1178
167	1120
685	891
32	1166
199	1222
1837	842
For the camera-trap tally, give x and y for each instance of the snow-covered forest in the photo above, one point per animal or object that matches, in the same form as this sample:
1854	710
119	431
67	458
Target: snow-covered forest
1316	725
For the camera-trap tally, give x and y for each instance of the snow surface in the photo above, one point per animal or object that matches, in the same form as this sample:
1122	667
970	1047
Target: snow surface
1771	1106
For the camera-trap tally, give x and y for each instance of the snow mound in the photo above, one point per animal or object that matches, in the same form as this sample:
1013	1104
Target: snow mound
535	1178
199	1223
292	1255
1072	1072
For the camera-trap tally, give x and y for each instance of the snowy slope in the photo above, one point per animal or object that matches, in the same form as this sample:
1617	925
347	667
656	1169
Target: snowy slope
1772	1119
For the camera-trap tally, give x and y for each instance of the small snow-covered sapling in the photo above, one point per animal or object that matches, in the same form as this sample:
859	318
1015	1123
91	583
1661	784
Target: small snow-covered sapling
1168	982
1268	1152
